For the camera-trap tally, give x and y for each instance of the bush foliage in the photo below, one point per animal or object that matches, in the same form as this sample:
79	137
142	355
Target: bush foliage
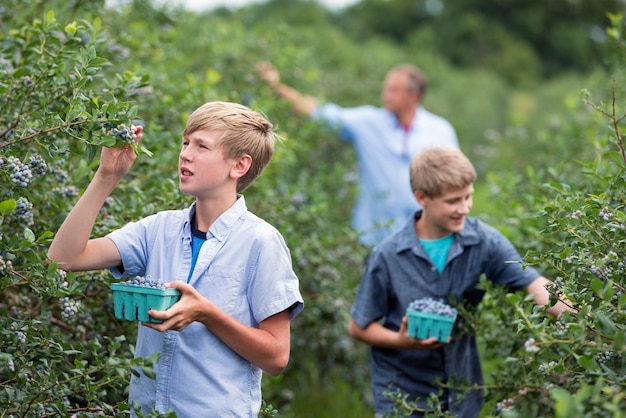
74	74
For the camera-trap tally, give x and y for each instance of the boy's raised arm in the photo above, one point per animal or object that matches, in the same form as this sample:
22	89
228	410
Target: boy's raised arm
71	246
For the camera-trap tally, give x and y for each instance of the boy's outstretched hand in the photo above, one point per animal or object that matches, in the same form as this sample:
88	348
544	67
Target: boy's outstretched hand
117	161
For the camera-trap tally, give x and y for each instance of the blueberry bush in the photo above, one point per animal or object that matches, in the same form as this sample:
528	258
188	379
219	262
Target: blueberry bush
57	103
75	75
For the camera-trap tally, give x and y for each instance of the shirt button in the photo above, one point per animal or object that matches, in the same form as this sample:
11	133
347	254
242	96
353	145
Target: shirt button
186	247
166	359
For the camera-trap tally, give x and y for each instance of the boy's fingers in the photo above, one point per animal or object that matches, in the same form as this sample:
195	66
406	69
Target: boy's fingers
158	314
138	130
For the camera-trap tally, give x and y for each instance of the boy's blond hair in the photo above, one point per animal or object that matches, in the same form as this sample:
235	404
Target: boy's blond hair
244	132
437	170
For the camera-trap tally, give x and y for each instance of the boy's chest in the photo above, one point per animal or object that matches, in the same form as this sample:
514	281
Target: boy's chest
415	275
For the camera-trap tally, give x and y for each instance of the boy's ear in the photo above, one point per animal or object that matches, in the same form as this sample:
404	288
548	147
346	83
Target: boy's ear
420	197
241	167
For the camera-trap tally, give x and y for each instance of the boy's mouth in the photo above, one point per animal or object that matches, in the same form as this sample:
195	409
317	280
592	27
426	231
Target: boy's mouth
458	219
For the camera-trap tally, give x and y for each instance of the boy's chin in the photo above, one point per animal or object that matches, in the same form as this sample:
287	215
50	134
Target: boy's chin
186	192
457	227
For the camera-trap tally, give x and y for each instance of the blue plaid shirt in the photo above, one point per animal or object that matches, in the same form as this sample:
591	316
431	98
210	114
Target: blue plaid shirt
398	272
244	267
384	150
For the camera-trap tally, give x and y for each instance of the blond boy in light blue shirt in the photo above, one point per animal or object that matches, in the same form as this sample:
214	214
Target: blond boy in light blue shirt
239	291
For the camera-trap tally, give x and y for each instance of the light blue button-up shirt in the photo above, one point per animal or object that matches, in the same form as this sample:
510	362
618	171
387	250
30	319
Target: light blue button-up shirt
398	272
245	268
384	150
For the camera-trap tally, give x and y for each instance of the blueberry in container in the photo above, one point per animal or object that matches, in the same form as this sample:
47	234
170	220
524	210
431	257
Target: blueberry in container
430	317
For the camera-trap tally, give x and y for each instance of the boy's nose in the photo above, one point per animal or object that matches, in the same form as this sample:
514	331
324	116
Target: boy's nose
184	155
465	208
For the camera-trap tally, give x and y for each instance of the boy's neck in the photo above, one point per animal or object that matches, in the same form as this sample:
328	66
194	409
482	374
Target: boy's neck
207	211
427	232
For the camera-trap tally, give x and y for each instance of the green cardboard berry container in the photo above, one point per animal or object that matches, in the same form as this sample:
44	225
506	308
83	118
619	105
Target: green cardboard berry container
426	325
132	303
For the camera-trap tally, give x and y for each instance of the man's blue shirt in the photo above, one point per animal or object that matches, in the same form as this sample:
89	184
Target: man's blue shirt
398	272
245	268
384	150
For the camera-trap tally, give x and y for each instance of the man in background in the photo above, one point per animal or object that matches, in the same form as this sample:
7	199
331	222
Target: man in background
384	138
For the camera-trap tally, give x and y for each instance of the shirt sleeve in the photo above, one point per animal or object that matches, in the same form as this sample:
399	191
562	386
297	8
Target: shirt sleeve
342	119
274	286
132	243
372	299
506	265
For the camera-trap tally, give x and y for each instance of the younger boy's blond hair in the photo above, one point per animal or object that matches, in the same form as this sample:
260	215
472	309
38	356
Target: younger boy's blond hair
437	170
244	132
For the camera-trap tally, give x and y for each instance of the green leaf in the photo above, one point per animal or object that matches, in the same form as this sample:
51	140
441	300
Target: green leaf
149	372
618	341
97	61
583	393
513	298
145	151
605	324
45	236
587	362
108	141
50	19
597	285
71	28
29	235
7	206
91	152
562	401
97	24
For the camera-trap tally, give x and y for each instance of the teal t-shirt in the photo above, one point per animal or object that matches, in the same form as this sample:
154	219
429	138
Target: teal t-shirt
198	238
437	250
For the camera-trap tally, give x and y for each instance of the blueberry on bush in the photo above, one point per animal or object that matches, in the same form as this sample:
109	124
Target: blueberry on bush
123	135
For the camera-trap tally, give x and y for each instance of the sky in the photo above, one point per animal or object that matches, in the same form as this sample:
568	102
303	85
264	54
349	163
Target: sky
211	4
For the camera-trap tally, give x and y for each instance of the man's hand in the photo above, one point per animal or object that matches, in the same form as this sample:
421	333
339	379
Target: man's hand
268	73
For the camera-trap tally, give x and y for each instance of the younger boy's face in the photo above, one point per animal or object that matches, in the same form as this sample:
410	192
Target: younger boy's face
445	214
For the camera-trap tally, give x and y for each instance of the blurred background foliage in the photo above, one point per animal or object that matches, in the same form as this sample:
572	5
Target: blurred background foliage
508	75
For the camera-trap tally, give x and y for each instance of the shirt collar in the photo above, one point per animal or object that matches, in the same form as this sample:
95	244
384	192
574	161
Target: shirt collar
222	225
394	121
407	238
